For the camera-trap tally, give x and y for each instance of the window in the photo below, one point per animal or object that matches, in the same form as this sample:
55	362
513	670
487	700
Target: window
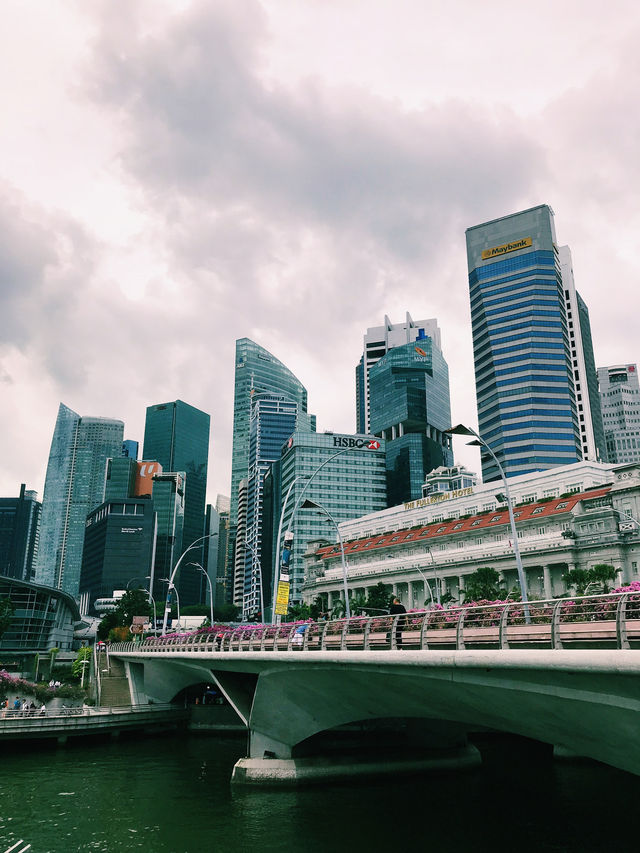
562	505
441	530
476	522
538	510
457	526
496	518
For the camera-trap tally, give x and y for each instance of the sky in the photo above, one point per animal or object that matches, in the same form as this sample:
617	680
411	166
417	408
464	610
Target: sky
175	175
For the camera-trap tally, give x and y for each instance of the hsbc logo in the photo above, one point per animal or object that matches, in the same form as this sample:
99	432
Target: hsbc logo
356	443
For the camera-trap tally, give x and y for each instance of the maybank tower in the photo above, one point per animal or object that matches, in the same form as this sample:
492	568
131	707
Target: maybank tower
532	401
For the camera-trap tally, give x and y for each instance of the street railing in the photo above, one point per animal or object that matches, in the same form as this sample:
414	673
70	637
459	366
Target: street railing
610	620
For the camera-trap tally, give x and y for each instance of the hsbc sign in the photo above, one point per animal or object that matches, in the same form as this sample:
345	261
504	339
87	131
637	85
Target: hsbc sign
355	443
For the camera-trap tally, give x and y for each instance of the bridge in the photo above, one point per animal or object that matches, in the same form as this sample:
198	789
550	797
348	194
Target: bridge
562	672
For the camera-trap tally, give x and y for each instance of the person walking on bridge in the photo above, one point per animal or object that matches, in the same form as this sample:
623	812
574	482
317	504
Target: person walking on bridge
397	607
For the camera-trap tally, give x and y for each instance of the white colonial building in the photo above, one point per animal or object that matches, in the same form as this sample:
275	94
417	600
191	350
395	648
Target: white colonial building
575	516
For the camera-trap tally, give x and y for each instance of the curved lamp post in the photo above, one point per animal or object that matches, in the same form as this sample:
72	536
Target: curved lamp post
461	429
313	505
167	608
170	587
201	569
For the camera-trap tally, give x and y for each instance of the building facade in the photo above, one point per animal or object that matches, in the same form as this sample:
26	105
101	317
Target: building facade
168	503
256	371
525	386
378	340
583	365
19	534
43	618
620	400
74	485
350	482
119	544
410	408
572	517
177	436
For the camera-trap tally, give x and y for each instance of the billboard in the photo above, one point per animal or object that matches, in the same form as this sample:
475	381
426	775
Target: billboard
144	478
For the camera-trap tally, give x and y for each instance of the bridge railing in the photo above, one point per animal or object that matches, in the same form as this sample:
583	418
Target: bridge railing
610	620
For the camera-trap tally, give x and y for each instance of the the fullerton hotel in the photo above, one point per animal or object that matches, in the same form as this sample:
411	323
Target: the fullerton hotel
575	516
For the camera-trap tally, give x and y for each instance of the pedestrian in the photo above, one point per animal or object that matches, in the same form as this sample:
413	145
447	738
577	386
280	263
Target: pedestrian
43	710
17	704
398	608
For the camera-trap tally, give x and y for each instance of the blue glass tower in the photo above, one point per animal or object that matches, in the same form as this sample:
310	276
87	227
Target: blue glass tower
257	371
524	383
410	408
74	486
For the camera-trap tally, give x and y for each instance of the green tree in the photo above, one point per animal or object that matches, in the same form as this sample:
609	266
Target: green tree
578	579
84	654
135	602
581	579
226	613
298	612
6	614
602	573
379	597
483	585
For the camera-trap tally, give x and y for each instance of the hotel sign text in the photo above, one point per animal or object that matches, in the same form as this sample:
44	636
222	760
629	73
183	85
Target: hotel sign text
439	497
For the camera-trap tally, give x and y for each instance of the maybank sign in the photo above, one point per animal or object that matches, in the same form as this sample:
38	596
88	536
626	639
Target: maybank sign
439	497
487	254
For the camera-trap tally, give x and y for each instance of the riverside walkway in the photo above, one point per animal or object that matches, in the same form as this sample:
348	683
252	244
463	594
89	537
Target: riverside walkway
61	724
564	673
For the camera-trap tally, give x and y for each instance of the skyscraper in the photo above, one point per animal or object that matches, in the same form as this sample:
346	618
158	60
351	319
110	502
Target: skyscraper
410	408
177	436
257	371
583	365
19	534
620	396
351	485
525	387
273	420
74	486
378	340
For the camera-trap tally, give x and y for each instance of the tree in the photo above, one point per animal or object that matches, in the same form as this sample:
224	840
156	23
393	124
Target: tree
483	585
299	612
581	579
602	573
6	614
379	598
84	654
226	613
135	602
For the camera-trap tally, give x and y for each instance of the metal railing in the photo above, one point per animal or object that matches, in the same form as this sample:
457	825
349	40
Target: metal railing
610	620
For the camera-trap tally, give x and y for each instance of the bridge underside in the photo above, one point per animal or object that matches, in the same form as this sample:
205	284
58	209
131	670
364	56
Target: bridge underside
584	701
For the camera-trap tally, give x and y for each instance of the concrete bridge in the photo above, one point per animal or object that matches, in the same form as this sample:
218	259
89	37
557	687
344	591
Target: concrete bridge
572	684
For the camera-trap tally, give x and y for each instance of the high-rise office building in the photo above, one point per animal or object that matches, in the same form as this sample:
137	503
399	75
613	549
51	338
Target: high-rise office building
19	534
410	408
241	534
378	340
620	398
273	420
525	386
119	544
177	436
74	485
583	365
256	372
130	448
350	485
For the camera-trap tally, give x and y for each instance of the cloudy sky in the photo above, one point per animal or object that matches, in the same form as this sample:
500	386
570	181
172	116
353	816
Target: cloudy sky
175	175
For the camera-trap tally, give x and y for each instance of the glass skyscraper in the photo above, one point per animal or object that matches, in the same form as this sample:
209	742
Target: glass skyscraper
273	420
524	381
177	436
256	372
351	485
620	396
19	534
74	486
410	408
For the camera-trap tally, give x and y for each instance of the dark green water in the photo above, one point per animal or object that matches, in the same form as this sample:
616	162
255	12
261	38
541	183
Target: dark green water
172	795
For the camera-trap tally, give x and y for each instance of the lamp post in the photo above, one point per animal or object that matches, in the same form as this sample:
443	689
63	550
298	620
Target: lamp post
313	505
256	560
170	587
426	583
167	608
461	429
201	569
626	515
435	576
153	602
374	444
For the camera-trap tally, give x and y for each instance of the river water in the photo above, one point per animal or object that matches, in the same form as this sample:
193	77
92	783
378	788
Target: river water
172	795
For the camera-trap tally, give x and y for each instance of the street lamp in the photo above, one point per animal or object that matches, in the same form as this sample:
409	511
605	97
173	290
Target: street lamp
206	574
427	584
312	505
256	560
461	429
171	586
